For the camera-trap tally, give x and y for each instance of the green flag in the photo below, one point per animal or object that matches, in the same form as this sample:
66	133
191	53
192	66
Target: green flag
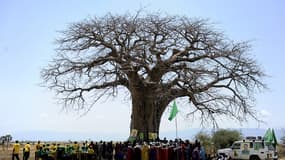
268	136
173	112
274	138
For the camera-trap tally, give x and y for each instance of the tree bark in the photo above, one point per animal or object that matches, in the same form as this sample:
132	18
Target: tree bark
146	115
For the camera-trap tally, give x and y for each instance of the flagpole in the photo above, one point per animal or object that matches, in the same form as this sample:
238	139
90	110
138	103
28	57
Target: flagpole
176	126
172	115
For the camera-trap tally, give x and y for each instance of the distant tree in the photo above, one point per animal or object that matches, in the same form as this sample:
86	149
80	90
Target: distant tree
6	139
206	140
2	141
155	59
224	138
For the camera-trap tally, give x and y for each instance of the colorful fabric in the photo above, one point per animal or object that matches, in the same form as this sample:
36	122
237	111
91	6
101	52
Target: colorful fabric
145	152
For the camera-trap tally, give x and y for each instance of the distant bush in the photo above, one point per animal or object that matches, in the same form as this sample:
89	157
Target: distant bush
224	138
206	140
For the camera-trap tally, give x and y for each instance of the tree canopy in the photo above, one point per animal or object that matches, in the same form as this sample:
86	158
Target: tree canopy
156	59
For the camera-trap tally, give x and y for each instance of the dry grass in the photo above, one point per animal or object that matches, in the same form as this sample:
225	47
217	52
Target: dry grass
281	151
6	153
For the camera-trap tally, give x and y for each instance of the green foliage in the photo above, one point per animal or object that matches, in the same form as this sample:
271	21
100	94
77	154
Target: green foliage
206	140
224	138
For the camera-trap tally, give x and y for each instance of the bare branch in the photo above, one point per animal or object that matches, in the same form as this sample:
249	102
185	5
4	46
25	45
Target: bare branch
160	57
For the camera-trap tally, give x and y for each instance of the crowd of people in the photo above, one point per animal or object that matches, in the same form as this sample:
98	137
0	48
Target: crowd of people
157	150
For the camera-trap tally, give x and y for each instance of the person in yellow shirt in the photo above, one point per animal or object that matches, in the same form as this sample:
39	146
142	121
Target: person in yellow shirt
16	150
38	146
90	152
27	149
76	148
37	150
53	148
145	151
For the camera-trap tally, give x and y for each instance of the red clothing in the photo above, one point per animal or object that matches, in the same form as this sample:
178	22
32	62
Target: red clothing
182	150
164	153
170	153
158	157
130	153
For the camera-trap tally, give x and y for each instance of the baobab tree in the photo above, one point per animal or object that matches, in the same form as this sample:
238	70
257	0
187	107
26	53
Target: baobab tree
155	59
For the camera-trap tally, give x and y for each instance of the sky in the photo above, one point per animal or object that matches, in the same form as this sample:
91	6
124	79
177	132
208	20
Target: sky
28	30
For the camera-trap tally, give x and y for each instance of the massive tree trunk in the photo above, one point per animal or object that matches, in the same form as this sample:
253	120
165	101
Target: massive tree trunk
146	115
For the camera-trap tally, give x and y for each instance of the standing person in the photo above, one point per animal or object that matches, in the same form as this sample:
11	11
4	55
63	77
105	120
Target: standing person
130	152
27	149
76	148
145	152
16	150
84	147
90	151
196	154
38	145
100	150
137	152
202	153
109	151
37	150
